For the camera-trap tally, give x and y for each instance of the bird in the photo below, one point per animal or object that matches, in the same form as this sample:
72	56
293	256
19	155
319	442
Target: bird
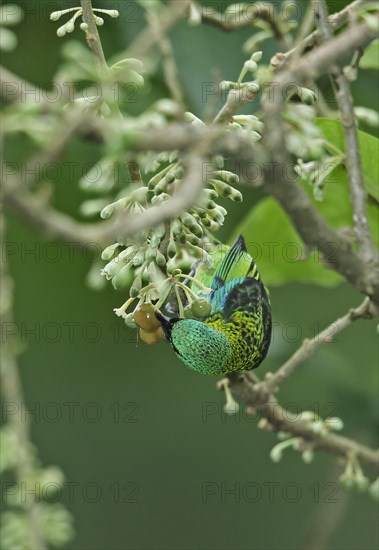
236	333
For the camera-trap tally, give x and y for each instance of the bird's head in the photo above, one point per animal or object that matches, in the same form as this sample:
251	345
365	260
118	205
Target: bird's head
200	346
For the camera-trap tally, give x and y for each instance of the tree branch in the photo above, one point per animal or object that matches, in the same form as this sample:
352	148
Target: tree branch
92	35
358	194
279	419
50	223
169	66
256	11
335	21
56	225
316	233
235	100
308	222
169	15
365	311
259	395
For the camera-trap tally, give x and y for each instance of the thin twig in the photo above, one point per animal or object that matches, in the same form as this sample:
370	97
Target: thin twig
94	42
291	196
92	35
279	419
52	224
235	100
169	65
336	20
306	26
309	346
145	41
358	194
246	18
56	225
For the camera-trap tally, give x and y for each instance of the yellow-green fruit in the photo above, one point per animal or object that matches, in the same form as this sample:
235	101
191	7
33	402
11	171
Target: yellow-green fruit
188	312
151	337
144	317
201	308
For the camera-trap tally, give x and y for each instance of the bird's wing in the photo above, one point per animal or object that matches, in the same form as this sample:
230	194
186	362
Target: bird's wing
248	295
233	270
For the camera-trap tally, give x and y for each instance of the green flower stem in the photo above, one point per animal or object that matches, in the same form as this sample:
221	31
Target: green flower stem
332	148
242	75
276	452
187	291
163	298
180	304
197	283
120	311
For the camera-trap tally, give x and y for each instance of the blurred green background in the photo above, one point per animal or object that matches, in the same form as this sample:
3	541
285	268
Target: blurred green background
151	459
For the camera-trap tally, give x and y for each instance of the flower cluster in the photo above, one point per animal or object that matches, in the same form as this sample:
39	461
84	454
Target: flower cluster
69	26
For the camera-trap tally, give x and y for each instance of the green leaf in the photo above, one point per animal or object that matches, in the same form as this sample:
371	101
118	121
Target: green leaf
277	248
370	59
369	149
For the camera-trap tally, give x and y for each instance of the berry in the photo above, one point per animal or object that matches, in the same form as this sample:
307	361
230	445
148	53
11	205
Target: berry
188	312
151	337
201	308
144	317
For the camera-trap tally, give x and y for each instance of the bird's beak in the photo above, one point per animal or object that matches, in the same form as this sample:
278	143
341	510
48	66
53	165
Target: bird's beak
166	323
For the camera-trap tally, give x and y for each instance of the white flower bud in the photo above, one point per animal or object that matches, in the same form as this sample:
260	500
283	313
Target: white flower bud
55	15
107	211
276	454
250	65
257	56
253	86
369	116
61	31
319	428
108	252
99	20
70	26
334	423
307	456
